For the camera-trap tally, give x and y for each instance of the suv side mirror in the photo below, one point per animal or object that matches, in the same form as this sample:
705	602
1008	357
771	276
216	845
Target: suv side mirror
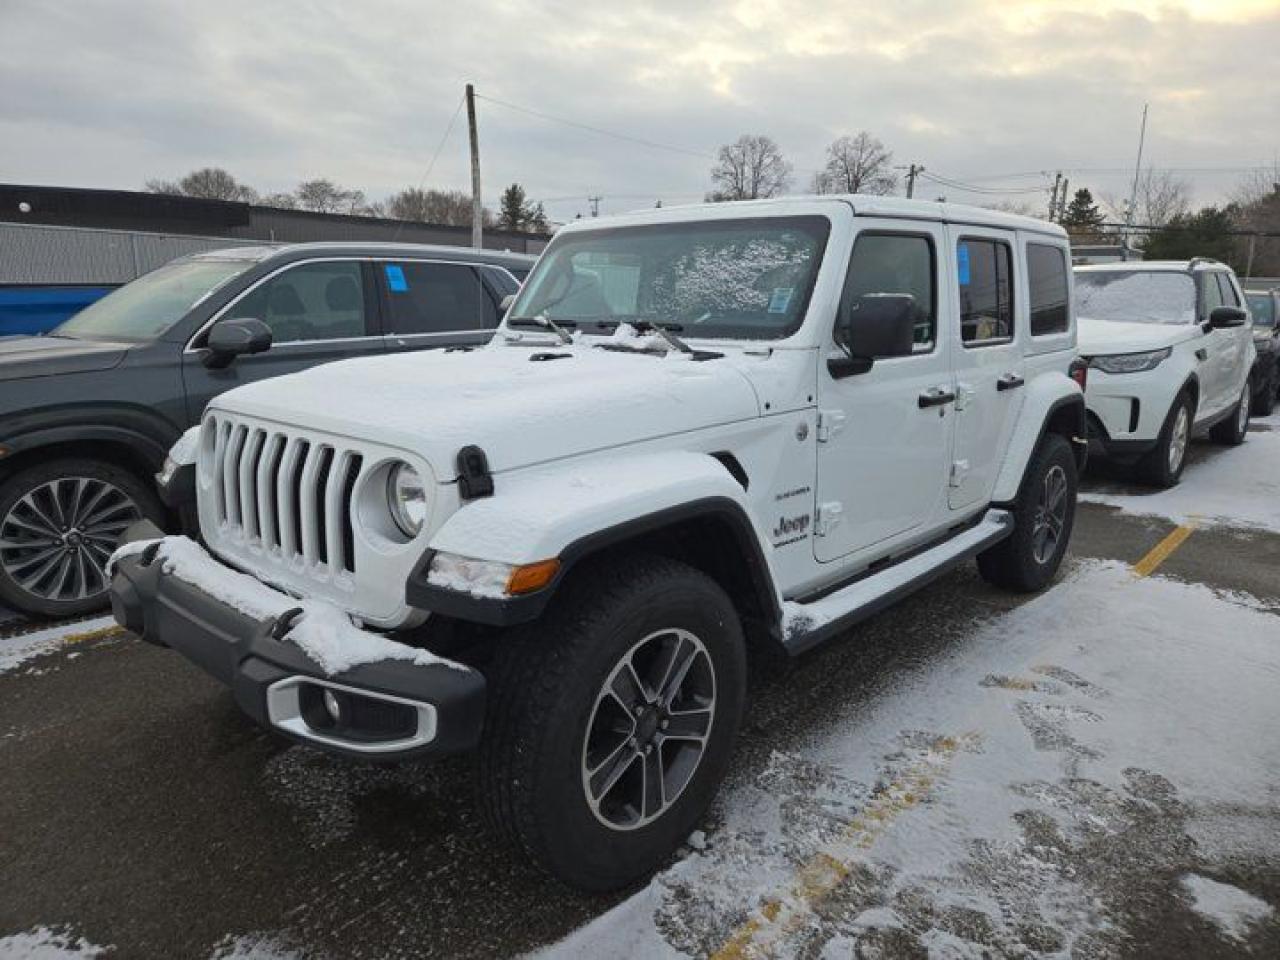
1222	318
229	339
505	304
874	327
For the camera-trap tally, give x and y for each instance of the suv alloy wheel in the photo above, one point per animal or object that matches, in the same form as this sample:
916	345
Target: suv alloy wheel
611	721
59	523
1235	427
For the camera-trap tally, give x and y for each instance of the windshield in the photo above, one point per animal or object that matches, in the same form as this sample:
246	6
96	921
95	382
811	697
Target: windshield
1263	308
747	279
1136	296
150	305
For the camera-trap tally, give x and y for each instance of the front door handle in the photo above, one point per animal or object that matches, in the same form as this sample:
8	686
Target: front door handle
1010	381
936	397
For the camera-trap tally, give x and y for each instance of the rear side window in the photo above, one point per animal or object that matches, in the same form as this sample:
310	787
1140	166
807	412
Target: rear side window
312	301
895	265
1047	277
435	298
985	272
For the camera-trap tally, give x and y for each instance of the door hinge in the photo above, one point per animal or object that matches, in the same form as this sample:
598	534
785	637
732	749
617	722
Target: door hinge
828	517
830	422
964	393
959	470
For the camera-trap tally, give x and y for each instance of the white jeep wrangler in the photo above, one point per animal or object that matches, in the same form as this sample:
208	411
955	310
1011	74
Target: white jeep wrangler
698	431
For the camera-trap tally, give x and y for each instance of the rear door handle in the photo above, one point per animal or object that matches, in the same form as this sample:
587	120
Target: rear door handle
1010	381
936	397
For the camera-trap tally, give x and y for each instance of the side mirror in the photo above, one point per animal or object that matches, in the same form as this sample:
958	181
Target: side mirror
874	327
505	304
229	339
1223	318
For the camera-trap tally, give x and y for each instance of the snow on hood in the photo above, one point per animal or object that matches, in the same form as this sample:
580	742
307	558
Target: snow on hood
1096	337
577	399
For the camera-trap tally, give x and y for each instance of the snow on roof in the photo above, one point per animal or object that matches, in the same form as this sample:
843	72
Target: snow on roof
1151	266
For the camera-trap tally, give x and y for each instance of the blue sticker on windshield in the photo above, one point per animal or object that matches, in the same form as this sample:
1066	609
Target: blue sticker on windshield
962	264
395	279
780	300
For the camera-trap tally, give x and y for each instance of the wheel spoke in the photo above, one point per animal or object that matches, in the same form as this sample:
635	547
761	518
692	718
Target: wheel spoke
29	582
85	508
688	724
626	688
31	560
654	789
47	523
682	658
606	776
41	541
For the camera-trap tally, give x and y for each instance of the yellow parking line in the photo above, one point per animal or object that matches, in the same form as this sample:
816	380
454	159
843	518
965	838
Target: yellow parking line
828	868
1162	550
88	635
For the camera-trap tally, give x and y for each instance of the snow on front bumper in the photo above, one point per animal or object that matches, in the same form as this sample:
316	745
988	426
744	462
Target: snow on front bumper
301	667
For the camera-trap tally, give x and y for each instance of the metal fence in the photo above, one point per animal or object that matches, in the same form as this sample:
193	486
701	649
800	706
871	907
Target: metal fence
37	254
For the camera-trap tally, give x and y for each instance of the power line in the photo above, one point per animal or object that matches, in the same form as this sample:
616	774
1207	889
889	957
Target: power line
605	133
436	156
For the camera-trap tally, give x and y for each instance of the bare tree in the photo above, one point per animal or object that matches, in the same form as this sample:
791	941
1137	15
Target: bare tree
208	183
857	164
452	207
1161	197
281	201
749	169
325	196
1258	185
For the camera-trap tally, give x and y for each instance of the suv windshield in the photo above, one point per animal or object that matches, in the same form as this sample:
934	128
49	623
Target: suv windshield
1263	308
747	279
1136	296
150	305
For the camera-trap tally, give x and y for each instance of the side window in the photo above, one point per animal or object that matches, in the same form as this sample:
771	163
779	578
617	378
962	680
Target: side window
434	298
895	265
312	301
1210	294
1047	279
985	269
1228	291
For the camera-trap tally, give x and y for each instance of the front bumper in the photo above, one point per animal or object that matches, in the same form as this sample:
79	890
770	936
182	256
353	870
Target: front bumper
1127	411
388	710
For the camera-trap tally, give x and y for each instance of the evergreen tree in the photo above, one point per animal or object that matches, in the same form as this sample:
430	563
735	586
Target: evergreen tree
516	212
1205	233
1083	216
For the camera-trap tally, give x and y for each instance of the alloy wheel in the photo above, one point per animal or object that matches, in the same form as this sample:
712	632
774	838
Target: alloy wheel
648	730
1242	413
1050	515
56	539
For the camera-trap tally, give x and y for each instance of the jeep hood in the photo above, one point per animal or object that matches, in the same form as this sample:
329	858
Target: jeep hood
521	404
1099	337
22	357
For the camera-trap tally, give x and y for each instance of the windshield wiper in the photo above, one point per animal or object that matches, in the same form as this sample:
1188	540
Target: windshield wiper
546	323
648	326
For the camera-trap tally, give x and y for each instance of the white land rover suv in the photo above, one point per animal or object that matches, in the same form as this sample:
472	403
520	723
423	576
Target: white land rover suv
1170	350
698	431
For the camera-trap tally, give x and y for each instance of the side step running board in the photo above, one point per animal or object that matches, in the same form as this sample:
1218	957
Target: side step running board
805	625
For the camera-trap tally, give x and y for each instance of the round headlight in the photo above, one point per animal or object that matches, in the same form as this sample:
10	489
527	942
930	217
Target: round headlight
407	499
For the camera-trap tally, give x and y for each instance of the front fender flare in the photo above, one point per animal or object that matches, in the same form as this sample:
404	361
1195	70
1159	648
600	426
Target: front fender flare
571	511
1046	396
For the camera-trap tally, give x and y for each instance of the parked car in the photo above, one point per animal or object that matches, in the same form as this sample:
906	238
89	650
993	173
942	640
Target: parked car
699	431
1264	305
88	411
1170	351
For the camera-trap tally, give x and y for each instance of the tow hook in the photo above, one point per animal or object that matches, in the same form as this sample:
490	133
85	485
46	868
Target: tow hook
284	623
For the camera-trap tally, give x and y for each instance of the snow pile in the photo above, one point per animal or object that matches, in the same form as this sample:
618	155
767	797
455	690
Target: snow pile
323	632
1233	910
1235	486
16	650
43	943
628	336
480	578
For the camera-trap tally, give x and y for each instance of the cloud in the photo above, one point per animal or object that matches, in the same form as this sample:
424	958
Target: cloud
106	94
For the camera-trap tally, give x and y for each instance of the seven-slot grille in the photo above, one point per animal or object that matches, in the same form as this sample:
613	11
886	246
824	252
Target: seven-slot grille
286	493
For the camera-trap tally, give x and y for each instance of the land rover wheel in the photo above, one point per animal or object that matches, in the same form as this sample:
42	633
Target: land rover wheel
59	523
1043	515
1264	397
612	720
1162	465
1234	428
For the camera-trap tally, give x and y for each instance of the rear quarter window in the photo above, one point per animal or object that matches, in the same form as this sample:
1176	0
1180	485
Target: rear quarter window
1047	280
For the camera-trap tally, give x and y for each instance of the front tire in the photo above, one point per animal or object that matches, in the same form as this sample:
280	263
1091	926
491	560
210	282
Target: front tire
1235	428
1044	515
59	522
1162	465
611	721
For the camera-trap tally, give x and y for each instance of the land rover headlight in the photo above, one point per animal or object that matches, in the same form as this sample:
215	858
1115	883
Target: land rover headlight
1130	362
407	499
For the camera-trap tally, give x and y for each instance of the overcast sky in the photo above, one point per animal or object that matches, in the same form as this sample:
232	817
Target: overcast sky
110	94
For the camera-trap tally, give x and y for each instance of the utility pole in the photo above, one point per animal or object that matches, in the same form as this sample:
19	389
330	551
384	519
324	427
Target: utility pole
477	207
1137	170
595	205
913	170
1253	242
1053	199
1062	199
